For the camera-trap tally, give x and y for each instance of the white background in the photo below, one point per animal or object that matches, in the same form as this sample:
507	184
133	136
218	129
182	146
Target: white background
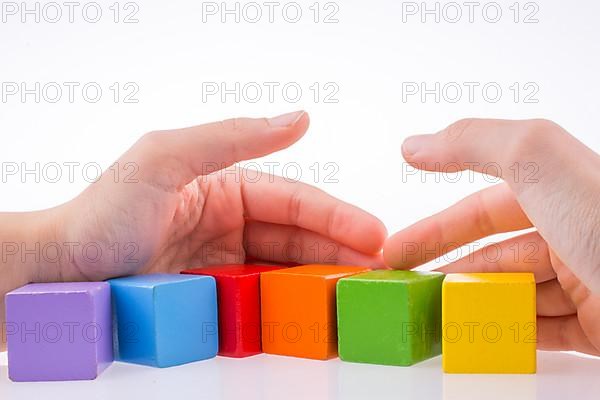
370	54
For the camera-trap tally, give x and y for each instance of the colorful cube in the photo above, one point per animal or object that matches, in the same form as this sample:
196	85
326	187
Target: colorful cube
58	331
390	317
489	323
299	311
164	320
238	297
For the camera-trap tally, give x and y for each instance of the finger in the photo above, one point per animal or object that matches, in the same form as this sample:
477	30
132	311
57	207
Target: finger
524	253
291	244
172	159
586	303
492	146
280	201
552	301
490	211
570	284
564	334
545	166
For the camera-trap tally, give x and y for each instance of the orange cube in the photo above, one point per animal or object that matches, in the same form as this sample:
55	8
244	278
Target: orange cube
299	312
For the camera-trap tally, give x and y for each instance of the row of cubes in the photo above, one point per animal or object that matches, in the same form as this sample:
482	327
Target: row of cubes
485	323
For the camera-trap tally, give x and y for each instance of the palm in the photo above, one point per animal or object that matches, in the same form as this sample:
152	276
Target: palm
204	224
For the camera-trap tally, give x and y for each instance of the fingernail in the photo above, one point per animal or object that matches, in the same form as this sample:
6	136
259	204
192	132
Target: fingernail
414	144
289	119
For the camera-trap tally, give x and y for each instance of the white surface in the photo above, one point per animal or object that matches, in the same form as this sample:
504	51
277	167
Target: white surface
560	376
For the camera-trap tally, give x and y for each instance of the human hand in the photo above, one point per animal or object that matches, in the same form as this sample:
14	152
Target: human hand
166	211
560	199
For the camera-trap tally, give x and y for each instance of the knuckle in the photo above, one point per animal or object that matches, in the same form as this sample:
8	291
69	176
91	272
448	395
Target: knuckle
338	223
236	125
153	139
541	124
155	158
263	121
532	137
230	125
295	241
536	132
227	130
482	220
457	129
294	207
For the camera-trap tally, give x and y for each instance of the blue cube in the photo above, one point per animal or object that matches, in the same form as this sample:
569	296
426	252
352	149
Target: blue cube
163	320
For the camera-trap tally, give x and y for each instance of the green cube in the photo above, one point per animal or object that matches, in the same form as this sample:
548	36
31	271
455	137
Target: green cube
389	317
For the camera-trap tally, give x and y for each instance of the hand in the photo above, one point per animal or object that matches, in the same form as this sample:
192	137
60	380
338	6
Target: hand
166	211
561	200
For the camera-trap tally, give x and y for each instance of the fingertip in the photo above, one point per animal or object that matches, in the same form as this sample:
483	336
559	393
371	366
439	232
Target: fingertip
288	128
413	145
304	118
354	257
276	133
392	256
377	262
302	122
296	119
374	237
400	253
381	267
381	235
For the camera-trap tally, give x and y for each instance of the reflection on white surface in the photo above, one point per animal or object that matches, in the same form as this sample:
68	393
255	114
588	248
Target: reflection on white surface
489	387
560	376
567	376
366	381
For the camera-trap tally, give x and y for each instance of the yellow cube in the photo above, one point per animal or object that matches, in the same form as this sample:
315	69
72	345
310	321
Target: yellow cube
489	323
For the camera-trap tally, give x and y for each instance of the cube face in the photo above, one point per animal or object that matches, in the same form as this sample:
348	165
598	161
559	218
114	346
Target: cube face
389	317
164	320
133	324
238	298
59	331
489	323
299	311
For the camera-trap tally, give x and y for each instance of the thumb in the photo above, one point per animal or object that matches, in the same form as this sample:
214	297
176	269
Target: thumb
173	158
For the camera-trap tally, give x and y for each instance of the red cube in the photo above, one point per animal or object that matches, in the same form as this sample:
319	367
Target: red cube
238	298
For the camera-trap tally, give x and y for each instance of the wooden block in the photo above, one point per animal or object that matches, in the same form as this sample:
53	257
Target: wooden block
489	323
164	320
299	311
390	317
58	331
238	298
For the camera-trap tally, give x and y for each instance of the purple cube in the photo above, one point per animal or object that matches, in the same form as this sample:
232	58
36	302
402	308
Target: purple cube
58	331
